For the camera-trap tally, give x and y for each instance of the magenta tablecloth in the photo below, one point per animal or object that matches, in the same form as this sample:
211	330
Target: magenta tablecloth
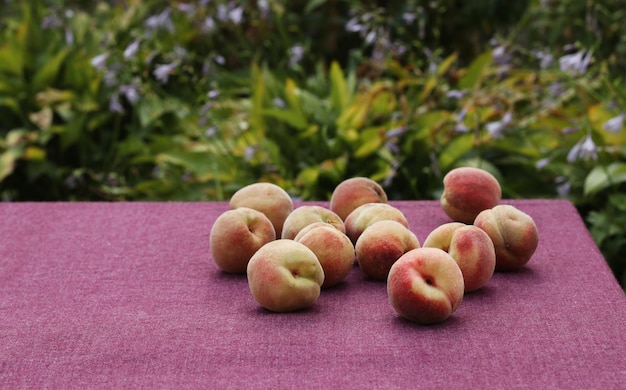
126	295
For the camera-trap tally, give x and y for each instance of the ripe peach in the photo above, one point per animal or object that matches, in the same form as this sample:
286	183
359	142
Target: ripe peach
333	249
353	192
514	235
236	235
380	245
425	285
467	191
470	247
285	275
367	214
308	214
268	198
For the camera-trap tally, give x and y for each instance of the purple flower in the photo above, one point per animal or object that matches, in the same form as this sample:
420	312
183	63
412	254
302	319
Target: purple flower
455	94
132	49
460	127
280	103
540	164
249	153
396	132
584	149
562	186
614	124
499	55
213	94
51	21
409	17
353	25
186	8
227	13
296	53
236	15
208	25
496	129
130	92
210	132
99	61
575	64
69	36
162	72
161	21
264	6
115	105
545	59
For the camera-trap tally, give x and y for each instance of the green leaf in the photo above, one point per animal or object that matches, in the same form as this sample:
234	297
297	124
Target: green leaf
11	103
371	142
7	162
308	176
291	117
258	96
152	108
474	74
292	94
199	163
49	72
339	94
602	177
11	59
445	64
312	4
458	147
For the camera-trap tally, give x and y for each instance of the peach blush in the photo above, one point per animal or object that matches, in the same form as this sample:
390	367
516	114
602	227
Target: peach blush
380	245
268	198
354	192
513	233
305	215
470	247
333	249
284	275
467	191
365	215
425	286
236	235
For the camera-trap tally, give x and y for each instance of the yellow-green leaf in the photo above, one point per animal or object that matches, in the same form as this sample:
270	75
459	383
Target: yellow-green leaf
339	94
50	71
371	142
602	177
477	69
455	150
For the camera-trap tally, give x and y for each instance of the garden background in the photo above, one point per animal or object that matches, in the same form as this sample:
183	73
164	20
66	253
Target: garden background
191	100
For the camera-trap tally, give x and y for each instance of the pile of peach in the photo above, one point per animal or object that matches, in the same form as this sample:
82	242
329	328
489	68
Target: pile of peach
290	255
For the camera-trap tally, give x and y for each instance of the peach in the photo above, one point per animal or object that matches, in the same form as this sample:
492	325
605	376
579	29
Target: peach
467	191
470	247
333	249
354	192
514	235
367	214
284	275
380	245
425	285
268	198
308	214
236	235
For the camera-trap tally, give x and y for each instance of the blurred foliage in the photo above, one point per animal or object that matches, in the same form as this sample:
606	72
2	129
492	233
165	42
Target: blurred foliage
191	100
